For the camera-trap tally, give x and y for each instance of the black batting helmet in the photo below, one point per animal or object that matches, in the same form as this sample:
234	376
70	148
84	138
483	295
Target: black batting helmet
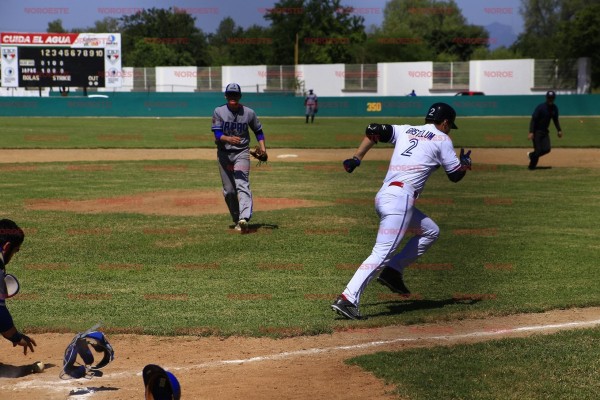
438	112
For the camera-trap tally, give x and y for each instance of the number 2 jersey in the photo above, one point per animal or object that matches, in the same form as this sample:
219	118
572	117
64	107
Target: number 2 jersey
419	150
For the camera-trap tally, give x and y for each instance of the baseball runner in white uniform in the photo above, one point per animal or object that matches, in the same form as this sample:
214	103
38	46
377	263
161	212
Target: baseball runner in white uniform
418	152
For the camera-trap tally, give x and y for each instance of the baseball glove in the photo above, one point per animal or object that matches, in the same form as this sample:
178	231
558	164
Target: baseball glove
260	155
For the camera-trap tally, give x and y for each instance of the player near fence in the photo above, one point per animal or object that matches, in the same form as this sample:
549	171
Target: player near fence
11	239
418	152
230	124
311	104
539	133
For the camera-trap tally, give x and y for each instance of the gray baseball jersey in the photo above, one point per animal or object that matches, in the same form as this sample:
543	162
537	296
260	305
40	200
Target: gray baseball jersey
235	124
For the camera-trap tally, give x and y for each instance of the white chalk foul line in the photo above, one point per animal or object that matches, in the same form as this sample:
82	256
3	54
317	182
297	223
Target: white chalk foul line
307	352
55	384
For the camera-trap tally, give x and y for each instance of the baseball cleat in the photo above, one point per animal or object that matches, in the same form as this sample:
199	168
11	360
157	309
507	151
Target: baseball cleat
237	227
243	224
393	280
345	308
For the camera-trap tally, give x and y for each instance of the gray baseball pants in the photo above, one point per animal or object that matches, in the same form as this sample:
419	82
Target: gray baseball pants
235	173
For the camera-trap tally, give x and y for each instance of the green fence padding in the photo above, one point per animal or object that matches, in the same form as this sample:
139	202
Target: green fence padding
151	104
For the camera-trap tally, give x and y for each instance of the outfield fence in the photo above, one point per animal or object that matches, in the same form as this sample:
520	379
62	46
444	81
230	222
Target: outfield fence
153	104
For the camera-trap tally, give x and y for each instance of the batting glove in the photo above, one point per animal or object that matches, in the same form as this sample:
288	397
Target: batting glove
351	163
465	159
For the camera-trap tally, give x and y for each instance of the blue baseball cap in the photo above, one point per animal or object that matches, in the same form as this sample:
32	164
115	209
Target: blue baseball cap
160	384
233	88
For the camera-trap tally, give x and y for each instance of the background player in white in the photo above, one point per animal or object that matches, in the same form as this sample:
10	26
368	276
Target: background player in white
230	123
311	103
419	150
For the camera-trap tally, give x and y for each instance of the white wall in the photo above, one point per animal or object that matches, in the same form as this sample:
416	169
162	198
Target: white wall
322	78
502	77
176	79
399	79
493	77
250	77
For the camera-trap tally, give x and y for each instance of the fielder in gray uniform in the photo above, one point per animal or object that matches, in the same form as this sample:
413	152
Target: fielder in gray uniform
230	123
311	102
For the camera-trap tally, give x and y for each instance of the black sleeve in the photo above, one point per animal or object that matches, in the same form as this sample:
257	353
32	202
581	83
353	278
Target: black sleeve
534	117
456	175
6	321
555	118
379	132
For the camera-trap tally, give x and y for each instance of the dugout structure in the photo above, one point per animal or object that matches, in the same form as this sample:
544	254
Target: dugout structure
40	60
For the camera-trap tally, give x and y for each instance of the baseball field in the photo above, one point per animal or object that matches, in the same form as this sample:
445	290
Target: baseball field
126	226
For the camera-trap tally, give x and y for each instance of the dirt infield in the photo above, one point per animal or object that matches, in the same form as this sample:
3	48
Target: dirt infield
259	368
168	202
585	158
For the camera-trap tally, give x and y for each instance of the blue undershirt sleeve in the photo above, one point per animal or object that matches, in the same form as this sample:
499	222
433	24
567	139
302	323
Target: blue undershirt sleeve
260	135
218	133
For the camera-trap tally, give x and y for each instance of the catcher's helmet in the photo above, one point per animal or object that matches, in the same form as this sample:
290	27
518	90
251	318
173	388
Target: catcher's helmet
160	384
82	346
233	88
438	112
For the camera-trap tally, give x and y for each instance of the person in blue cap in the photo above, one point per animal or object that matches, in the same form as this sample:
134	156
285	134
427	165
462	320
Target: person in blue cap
160	384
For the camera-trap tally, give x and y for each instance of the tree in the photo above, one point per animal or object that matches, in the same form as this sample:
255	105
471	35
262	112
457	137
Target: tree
148	54
252	47
401	46
169	31
327	31
580	37
542	22
500	53
429	30
219	48
541	18
106	25
55	27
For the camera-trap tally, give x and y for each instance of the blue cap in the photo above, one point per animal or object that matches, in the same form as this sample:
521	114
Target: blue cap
160	384
233	88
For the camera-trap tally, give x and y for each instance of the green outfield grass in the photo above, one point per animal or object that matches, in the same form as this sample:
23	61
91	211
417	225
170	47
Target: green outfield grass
559	366
511	241
280	132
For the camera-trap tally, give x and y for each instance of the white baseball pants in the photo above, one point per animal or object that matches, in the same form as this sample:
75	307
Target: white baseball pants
398	215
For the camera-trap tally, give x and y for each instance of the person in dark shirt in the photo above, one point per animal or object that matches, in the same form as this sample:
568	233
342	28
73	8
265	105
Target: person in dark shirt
11	238
538	128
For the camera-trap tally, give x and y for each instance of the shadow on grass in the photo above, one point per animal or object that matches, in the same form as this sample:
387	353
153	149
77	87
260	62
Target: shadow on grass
403	306
261	228
256	228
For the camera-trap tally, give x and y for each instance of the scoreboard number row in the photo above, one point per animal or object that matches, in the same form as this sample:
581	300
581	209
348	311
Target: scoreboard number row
66	52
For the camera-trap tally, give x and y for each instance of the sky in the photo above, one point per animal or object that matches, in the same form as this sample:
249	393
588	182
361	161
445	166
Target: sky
34	15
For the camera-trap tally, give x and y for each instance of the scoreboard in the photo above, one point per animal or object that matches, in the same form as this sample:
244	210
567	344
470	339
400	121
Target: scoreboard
61	60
